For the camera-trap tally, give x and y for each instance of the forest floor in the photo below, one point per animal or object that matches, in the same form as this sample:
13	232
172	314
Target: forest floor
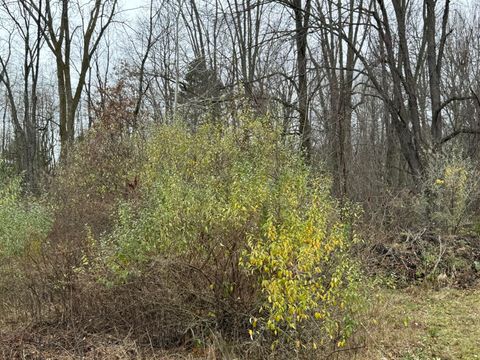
407	324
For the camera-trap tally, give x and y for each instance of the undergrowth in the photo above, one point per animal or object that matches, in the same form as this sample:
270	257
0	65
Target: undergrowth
222	235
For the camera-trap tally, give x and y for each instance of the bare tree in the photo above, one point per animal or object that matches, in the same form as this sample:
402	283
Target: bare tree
338	63
60	35
23	109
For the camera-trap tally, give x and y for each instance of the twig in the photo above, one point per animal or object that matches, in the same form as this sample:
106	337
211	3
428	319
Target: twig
440	255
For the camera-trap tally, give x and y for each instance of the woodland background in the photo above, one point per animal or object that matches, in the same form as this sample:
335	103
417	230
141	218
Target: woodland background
169	169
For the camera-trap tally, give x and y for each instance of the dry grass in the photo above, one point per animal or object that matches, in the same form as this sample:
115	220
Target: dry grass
407	324
54	344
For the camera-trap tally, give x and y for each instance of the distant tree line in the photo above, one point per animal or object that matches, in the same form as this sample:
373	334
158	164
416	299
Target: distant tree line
372	89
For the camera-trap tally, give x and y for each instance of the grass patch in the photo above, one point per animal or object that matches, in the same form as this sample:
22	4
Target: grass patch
421	324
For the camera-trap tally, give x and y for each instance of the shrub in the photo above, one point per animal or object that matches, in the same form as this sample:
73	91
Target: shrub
92	179
301	257
451	187
432	230
23	221
240	233
82	197
24	225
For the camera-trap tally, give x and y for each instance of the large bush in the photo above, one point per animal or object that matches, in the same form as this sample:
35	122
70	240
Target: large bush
237	236
97	173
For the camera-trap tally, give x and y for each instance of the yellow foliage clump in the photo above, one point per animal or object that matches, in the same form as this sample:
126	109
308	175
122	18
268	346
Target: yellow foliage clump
301	257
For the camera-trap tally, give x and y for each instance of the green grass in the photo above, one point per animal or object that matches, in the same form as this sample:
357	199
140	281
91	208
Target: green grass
424	324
